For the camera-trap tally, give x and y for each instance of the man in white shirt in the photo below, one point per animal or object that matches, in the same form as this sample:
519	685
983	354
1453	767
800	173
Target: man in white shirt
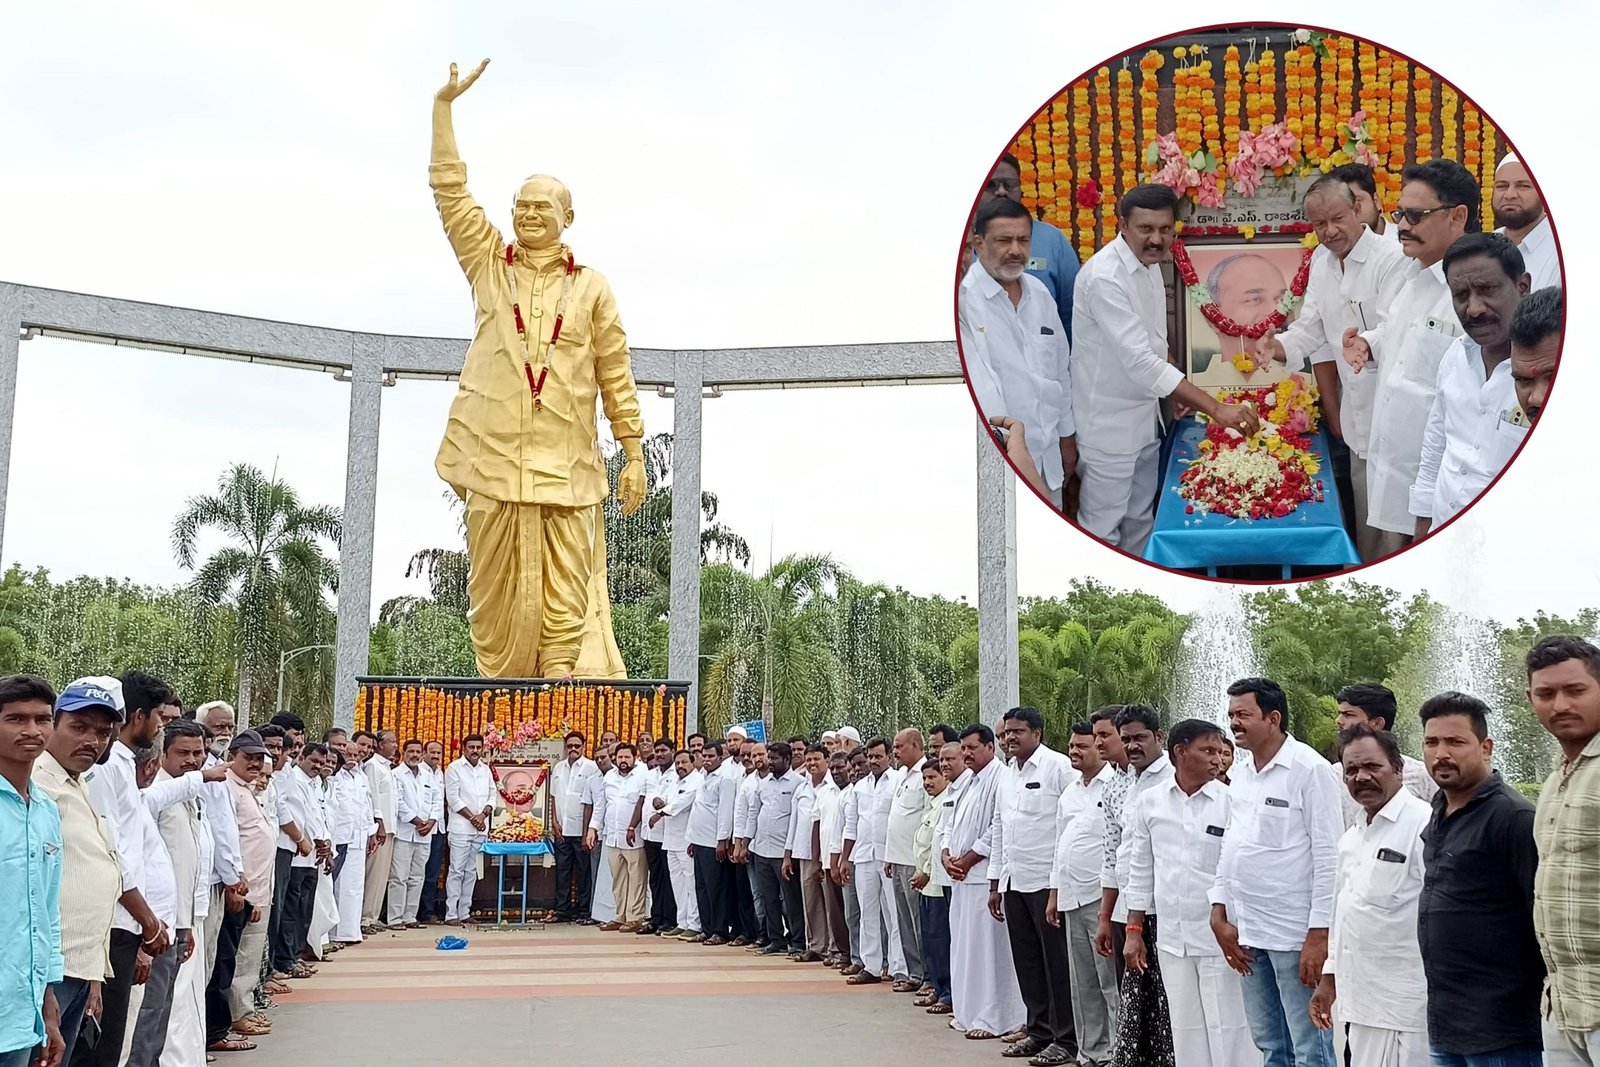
1175	836
568	778
1439	201
771	815
379	769
658	779
1074	898
1474	426
709	836
415	826
1536	328
217	717
1370	704
751	925
1273	898
1520	211
431	907
1024	842
802	859
1364	187
302	811
865	835
602	899
616	818
1014	344
1374	974
906	805
1121	373
677	799
983	980
469	785
351	802
1355	277
840	872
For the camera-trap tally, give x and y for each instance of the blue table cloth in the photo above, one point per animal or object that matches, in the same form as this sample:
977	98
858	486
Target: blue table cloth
523	850
516	848
1312	535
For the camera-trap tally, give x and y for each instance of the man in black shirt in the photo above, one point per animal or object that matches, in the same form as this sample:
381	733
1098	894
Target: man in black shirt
1475	921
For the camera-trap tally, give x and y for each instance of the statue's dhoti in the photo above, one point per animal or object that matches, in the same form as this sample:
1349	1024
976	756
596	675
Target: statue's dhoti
540	607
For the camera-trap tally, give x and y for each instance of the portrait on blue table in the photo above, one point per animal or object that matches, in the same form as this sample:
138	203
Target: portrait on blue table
1256	334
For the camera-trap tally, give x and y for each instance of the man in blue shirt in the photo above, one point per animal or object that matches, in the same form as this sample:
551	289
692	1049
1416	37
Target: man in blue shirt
30	890
1051	258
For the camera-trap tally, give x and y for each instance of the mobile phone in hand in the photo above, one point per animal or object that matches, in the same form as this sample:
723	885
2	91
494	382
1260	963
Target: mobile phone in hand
999	433
89	1031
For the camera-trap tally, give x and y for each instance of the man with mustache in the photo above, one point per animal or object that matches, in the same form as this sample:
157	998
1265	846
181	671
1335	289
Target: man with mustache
1520	212
1475	920
1014	343
1358	177
1439	202
1564	689
1121	373
1370	704
1474	426
1535	348
1374	967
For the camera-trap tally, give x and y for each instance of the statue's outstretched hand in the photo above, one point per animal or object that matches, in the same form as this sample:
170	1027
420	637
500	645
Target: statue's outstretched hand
456	86
630	486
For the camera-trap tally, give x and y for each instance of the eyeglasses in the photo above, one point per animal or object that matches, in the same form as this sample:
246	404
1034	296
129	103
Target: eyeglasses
1002	185
1413	215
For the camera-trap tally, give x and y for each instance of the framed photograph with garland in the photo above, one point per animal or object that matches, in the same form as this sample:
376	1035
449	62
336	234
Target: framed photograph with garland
1236	291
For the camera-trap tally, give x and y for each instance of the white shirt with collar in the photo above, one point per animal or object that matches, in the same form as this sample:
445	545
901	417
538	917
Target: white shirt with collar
772	813
941	829
380	784
296	803
1120	370
619	798
1414	774
807	814
834	810
1019	362
227	862
1539	256
1356	291
1080	833
1027	799
184	835
906	805
113	792
1408	346
1372	948
711	815
972	822
351	807
656	783
1280	856
469	786
681	794
413	796
1474	428
437	796
1153	777
1174	845
744	797
867	819
567	781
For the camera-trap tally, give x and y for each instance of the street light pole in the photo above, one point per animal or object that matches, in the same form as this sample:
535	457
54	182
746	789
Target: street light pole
283	661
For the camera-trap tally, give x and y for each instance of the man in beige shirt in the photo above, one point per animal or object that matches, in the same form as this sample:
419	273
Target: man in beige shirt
91	881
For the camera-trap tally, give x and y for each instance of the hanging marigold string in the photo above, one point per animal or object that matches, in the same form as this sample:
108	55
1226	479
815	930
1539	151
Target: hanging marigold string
1060	140
1422	124
1149	96
1106	163
1206	88
1400	83
1491	158
1127	135
1471	138
1294	72
1232	94
1083	159
1449	120
1252	95
1382	94
1269	86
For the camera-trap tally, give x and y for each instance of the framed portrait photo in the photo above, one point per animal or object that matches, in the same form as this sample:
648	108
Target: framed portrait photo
1247	280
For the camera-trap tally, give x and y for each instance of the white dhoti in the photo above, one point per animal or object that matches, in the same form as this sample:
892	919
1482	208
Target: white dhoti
891	927
1206	1004
463	877
983	979
1371	1046
603	904
876	900
681	867
349	894
186	1026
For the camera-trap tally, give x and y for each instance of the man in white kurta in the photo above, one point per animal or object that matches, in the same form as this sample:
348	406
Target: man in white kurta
616	820
1407	345
379	769
1520	211
1014	344
470	791
986	999
865	833
681	786
414	830
602	899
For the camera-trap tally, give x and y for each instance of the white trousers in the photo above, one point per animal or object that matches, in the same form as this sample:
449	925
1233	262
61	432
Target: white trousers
463	876
603	904
681	868
983	978
1371	1046
880	928
1563	1049
1206	1004
406	873
186	1027
349	893
1117	495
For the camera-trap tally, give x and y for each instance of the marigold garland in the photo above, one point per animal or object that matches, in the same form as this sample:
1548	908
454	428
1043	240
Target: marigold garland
1224	325
1344	97
1422	105
1269	87
1328	107
1266	475
1127	135
1149	95
1232	98
1082	159
1105	174
1399	93
1491	158
1449	106
1383	94
1471	138
1294	75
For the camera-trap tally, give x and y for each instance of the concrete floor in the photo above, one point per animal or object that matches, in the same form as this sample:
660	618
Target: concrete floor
566	994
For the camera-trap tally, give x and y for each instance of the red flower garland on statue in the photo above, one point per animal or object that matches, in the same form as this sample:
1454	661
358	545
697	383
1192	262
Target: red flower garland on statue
1222	323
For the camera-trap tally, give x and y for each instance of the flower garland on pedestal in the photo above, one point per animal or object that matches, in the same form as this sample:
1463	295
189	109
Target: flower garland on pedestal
1266	475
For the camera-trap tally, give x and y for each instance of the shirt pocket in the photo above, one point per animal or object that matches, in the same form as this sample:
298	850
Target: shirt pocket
1386	884
1275	825
1422	363
1505	442
1036	801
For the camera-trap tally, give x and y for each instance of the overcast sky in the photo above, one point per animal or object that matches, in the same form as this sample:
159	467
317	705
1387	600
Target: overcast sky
743	177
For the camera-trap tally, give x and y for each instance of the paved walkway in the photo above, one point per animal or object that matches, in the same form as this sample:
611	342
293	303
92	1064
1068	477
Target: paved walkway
568	994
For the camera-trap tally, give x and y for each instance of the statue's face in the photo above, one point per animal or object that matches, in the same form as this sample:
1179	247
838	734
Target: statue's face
539	214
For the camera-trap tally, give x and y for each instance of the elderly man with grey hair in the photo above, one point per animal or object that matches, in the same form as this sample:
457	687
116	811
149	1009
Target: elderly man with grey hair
1355	277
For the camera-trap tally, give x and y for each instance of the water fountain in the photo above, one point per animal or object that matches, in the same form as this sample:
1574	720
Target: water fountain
1218	649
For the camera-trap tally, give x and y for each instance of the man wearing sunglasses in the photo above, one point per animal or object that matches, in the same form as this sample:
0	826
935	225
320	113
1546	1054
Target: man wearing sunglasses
1439	202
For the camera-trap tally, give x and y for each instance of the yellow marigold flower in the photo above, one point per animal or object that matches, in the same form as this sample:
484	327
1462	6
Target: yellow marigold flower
1249	232
1309	240
1179	52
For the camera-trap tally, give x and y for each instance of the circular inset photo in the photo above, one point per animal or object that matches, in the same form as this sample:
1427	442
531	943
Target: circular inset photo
1260	303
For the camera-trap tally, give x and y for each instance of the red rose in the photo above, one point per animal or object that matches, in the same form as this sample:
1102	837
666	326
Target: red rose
1088	194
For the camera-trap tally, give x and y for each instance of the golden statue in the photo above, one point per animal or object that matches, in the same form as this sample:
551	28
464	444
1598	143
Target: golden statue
522	447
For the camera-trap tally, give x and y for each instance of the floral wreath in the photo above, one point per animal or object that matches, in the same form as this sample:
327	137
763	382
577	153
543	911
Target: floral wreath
1222	323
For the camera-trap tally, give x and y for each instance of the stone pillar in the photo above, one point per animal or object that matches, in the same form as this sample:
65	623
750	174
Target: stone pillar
997	582
10	342
683	637
354	628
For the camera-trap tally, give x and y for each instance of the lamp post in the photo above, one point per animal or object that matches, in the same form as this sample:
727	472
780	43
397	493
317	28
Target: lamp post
283	661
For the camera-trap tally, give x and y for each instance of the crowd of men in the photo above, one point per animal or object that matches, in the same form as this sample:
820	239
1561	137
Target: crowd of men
1432	344
1383	911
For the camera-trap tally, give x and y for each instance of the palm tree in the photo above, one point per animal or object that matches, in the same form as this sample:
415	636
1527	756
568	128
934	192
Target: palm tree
274	571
